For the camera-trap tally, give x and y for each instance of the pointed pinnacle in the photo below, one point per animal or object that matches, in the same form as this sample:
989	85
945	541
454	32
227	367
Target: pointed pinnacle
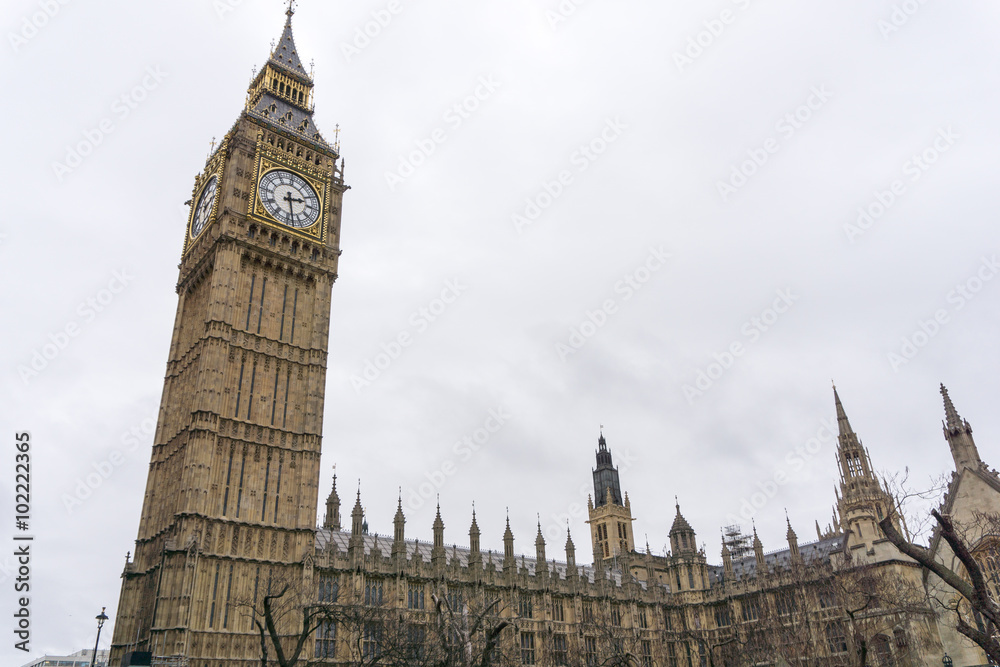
953	421
842	422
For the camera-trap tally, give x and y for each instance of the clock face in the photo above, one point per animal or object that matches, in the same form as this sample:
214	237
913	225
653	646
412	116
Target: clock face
204	208
289	198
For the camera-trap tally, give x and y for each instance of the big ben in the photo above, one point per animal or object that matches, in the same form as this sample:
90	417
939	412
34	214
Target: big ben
231	495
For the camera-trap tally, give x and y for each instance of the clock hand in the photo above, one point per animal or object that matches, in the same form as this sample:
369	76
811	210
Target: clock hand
289	199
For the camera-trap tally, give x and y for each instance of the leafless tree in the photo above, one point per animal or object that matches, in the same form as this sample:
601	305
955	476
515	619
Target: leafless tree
284	623
969	581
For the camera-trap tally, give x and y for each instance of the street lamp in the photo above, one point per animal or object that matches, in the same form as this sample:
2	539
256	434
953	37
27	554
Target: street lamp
100	624
948	662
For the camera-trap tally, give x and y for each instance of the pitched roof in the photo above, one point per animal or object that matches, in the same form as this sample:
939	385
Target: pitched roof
680	523
285	55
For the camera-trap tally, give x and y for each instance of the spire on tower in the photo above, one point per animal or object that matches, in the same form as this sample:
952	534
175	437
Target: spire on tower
607	486
332	519
958	433
284	54
842	422
952	420
508	545
399	527
541	565
474	553
570	553
359	526
851	454
758	550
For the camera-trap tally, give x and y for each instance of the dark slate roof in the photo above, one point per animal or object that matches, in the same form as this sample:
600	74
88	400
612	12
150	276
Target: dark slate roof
275	111
285	54
813	552
680	524
383	543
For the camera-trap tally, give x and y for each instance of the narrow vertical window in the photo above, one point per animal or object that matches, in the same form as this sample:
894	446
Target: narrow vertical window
239	388
267	473
295	308
260	313
284	304
229	473
253	279
274	395
277	490
229	593
256	583
288	381
253	381
239	495
215	590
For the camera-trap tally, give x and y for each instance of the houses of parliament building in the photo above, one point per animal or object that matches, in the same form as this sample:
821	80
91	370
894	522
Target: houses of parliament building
230	508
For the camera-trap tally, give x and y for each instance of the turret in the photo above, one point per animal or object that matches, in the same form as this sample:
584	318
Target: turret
508	548
758	552
437	551
398	537
541	565
570	554
475	556
332	519
682	535
958	433
862	502
793	544
610	518
357	524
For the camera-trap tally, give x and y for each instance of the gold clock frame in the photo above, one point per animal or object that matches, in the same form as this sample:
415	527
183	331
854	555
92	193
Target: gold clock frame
215	171
269	160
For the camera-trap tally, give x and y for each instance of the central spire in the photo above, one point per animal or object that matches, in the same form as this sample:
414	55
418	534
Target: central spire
607	486
842	421
284	54
281	94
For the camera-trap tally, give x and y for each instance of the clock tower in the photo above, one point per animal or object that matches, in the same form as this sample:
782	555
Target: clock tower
230	504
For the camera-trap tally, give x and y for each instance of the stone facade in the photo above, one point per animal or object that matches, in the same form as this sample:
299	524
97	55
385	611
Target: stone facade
233	479
797	605
231	498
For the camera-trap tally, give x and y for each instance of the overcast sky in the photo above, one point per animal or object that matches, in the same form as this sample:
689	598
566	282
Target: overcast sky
673	174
